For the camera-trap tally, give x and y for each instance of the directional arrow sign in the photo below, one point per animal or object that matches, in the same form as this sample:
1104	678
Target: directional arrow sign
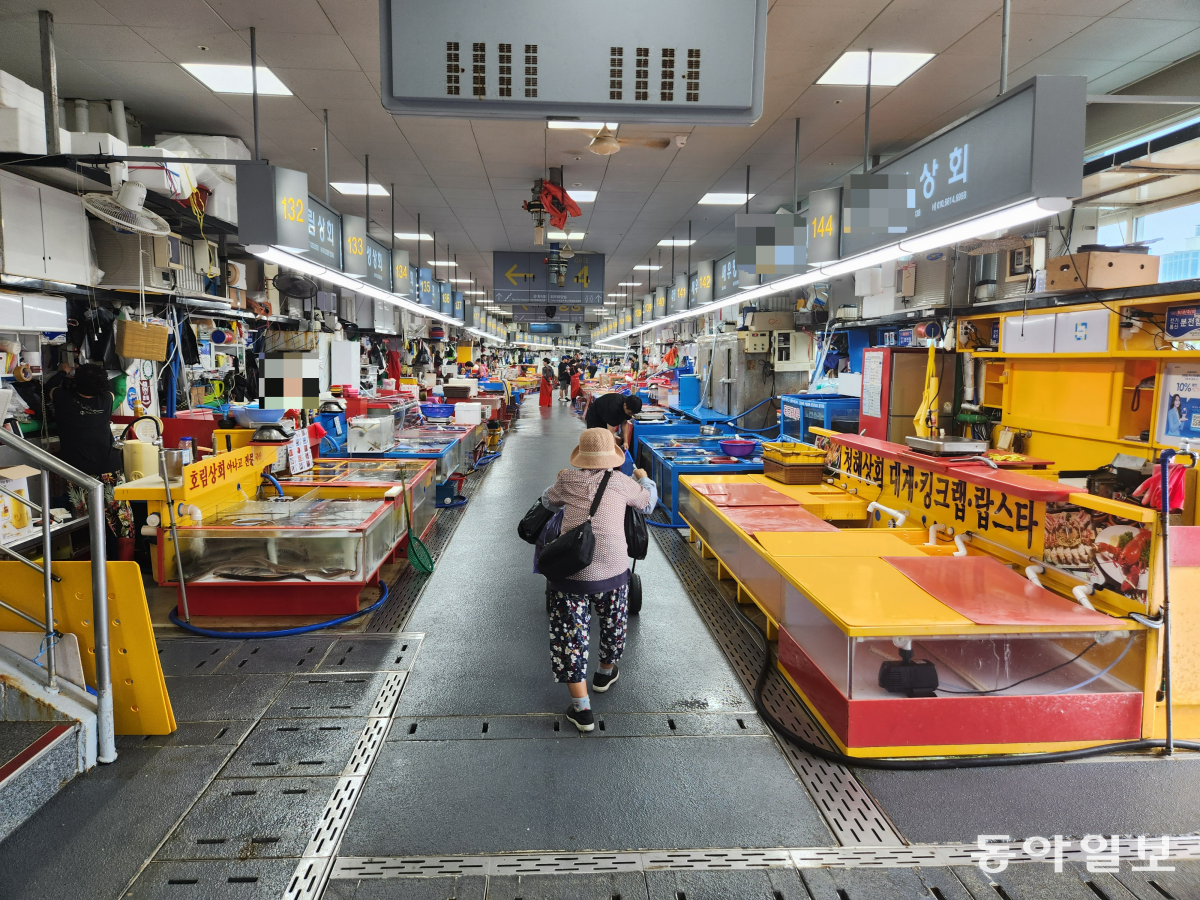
512	275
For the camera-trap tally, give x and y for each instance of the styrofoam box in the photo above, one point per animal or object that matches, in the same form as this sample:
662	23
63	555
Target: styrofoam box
1028	334
216	146
1082	332
16	94
154	175
868	281
468	413
97	142
881	304
222	203
22	132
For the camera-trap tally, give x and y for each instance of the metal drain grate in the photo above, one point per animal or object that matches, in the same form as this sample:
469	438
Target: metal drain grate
404	594
848	810
308	881
929	855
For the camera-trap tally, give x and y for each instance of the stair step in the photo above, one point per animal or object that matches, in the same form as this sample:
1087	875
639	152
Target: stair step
36	760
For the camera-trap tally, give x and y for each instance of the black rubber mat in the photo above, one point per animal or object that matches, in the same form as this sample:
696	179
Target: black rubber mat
193	656
191	734
580	794
251	879
212	698
468	887
244	818
278	747
890	884
94	836
371	654
1122	796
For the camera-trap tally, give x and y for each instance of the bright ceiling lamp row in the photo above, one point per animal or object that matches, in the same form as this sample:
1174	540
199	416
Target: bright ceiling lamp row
1000	220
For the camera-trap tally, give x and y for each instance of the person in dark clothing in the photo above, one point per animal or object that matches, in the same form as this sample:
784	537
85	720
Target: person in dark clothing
83	408
593	366
564	378
612	410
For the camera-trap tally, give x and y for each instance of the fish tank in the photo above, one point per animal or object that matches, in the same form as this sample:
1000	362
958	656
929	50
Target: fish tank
369	479
306	539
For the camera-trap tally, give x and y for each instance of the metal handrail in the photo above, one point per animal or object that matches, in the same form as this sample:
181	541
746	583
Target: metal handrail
106	749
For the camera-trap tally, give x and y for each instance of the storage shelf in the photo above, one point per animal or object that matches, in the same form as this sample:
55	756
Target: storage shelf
1114	354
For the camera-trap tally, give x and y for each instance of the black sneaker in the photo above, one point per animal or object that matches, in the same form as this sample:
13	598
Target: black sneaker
602	682
581	718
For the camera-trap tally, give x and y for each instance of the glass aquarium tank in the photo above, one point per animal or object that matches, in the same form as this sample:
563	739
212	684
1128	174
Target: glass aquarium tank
307	539
371	479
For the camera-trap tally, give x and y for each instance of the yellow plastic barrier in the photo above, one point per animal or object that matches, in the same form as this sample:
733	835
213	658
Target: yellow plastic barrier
140	701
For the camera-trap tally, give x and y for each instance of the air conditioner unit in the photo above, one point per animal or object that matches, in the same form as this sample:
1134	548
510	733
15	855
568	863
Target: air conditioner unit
117	256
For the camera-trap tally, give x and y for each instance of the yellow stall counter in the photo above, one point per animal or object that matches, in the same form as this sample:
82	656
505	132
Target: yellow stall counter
856	542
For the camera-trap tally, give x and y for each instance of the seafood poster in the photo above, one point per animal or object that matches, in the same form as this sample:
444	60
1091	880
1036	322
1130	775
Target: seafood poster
1113	552
1179	404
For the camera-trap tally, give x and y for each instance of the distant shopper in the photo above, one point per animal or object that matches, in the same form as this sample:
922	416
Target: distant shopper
593	367
576	388
564	378
605	583
612	410
546	394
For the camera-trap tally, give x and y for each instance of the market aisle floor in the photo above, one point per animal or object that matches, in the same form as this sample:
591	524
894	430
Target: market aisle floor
480	759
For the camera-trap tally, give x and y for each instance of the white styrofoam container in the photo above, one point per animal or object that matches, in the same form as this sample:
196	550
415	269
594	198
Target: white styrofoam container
97	142
172	179
222	203
1082	332
1028	334
468	413
22	132
881	304
849	384
16	94
214	146
868	281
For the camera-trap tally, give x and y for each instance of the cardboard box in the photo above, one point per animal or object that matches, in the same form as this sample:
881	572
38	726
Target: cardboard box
1100	271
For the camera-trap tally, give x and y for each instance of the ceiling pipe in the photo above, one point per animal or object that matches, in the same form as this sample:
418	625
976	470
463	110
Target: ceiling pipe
867	118
254	82
117	124
795	172
1005	17
326	112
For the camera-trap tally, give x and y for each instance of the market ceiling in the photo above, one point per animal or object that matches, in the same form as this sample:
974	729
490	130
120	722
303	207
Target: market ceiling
467	178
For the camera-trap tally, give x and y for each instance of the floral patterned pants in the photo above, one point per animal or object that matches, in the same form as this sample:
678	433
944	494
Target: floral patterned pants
570	630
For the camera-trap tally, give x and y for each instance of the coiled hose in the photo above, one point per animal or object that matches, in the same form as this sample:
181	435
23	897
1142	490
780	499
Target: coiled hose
285	632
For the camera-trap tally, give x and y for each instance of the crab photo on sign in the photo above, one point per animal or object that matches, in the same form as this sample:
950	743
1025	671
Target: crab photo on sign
1115	551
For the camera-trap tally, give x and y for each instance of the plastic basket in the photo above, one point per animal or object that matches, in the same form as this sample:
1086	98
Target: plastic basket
142	340
790	454
803	473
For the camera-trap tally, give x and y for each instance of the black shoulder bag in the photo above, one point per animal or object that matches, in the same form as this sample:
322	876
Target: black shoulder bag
572	551
637	535
533	522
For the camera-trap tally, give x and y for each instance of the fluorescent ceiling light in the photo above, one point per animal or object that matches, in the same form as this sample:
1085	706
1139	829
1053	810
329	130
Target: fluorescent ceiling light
716	199
646	268
582	196
441	262
568	125
357	188
887	69
221	79
616	295
475	293
1001	220
629	284
412	236
459	280
562	236
666	242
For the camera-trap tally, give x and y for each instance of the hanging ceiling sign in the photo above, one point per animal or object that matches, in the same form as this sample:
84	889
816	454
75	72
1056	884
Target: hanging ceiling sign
273	207
725	276
524	278
354	246
379	265
824	225
1024	145
702	283
562	313
401	279
324	235
686	61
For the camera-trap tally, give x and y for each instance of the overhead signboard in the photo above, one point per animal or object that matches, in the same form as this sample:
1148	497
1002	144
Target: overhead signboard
354	246
401	278
272	204
677	301
425	292
459	308
824	225
770	244
1025	144
324	235
379	265
726	277
446	300
563	312
660	302
524	278
686	61
702	283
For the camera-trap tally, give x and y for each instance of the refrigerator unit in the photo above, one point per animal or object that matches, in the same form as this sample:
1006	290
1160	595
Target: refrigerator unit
892	387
